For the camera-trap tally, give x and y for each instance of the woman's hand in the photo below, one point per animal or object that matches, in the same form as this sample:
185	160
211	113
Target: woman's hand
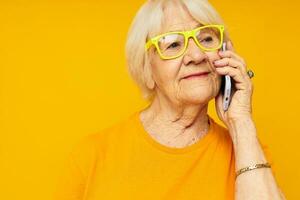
240	104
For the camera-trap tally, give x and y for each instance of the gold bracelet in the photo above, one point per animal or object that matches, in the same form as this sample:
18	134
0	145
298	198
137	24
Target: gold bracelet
249	168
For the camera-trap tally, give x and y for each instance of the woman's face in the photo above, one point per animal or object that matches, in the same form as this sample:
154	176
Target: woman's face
168	75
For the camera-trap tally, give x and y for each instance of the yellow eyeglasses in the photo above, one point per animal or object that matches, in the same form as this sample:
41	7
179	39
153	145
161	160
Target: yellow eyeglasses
173	44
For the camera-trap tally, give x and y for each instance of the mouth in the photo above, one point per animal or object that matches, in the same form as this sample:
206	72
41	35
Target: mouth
196	75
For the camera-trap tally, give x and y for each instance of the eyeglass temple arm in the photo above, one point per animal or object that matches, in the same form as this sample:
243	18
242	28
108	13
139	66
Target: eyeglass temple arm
148	44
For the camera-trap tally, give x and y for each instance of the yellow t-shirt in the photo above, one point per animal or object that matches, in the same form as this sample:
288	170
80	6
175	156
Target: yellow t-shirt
125	162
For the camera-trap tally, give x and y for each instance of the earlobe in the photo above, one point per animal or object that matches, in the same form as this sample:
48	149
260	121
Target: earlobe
149	80
148	77
150	84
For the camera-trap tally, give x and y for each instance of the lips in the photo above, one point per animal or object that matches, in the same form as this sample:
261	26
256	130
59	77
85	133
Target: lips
196	74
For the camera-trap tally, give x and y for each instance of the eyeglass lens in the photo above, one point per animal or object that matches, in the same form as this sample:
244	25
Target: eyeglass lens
173	43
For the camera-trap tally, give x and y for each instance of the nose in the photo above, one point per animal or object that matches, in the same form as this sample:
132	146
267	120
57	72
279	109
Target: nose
194	55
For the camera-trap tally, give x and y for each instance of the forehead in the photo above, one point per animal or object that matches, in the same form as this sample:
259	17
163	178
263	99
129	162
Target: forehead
177	17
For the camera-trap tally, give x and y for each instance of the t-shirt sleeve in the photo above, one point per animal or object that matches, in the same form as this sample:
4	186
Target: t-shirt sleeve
71	183
76	169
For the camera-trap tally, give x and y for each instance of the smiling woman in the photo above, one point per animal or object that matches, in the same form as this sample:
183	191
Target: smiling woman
173	149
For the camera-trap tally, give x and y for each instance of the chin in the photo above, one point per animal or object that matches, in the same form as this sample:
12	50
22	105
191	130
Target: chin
197	98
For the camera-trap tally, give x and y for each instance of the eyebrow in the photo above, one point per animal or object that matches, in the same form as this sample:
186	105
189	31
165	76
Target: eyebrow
175	30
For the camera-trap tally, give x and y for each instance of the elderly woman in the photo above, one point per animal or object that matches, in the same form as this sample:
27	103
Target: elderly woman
173	149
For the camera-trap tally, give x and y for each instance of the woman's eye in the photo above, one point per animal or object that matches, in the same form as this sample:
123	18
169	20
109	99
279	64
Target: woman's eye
173	45
208	39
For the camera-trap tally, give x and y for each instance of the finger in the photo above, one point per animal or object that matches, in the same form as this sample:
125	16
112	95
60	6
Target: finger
232	72
231	54
230	62
241	82
242	86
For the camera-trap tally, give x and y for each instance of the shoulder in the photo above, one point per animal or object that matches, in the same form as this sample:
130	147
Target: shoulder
102	135
93	146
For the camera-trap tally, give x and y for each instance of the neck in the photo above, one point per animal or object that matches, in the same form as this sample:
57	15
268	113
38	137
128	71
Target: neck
174	123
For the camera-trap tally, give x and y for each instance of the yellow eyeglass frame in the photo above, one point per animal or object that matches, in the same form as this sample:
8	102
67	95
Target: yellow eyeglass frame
187	35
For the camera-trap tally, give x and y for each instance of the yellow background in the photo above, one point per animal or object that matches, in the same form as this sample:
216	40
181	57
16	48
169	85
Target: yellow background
63	76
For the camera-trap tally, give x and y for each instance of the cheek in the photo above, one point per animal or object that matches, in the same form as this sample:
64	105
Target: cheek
216	78
165	72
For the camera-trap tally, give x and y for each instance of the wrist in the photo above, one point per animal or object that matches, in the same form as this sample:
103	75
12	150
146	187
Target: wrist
246	145
240	119
242	130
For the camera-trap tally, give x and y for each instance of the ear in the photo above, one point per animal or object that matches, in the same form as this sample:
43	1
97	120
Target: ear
148	76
